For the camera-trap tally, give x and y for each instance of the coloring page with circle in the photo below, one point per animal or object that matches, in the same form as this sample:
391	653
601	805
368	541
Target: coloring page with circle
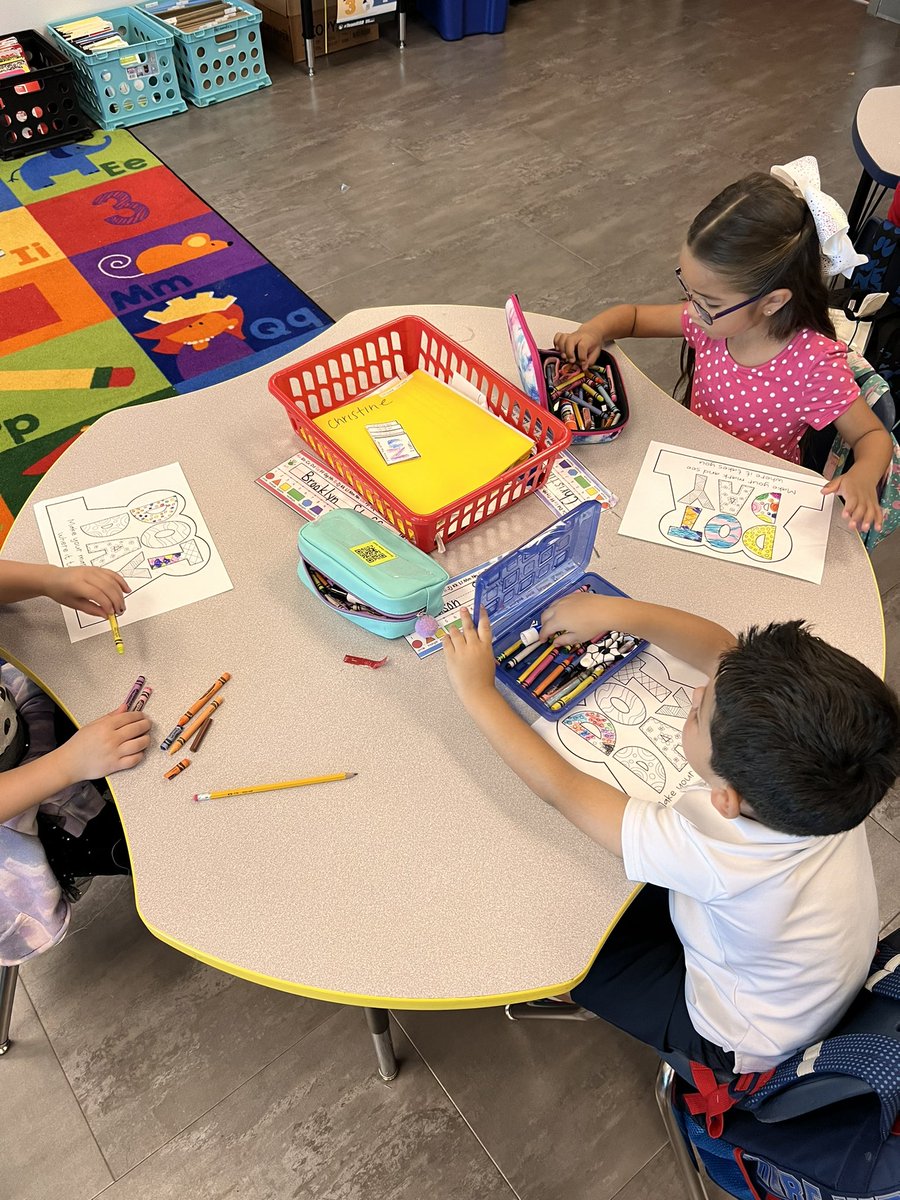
149	529
628	731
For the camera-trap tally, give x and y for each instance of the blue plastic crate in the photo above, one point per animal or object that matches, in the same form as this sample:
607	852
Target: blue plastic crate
454	19
131	85
218	63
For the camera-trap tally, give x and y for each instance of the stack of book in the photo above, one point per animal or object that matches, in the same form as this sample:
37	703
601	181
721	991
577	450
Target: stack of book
91	35
191	16
12	57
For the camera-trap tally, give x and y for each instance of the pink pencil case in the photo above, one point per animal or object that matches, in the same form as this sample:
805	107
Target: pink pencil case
593	405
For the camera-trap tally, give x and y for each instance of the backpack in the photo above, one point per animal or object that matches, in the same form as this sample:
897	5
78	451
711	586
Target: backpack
880	241
823	1125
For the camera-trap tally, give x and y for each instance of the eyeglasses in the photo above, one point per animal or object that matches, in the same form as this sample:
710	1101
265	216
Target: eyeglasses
706	316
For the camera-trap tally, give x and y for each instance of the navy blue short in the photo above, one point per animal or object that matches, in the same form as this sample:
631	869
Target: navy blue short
637	980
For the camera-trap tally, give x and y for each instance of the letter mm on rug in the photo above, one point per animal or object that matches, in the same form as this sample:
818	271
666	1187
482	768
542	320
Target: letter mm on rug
148	528
724	508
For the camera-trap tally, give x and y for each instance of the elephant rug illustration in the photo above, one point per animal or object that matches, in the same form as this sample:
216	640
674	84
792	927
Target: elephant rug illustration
42	170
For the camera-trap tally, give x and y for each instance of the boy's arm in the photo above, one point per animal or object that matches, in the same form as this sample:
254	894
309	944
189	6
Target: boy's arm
594	807
622	320
580	616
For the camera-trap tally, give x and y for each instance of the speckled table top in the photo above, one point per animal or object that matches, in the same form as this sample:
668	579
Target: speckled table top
435	877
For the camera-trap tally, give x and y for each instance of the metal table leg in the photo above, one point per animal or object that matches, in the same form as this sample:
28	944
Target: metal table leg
401	22
684	1159
8	977
377	1019
309	33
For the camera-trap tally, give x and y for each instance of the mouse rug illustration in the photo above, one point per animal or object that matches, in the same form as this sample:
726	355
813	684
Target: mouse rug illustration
120	285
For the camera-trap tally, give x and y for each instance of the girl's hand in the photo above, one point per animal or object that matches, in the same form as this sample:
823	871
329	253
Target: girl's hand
578	617
582	347
469	656
91	590
862	508
115	742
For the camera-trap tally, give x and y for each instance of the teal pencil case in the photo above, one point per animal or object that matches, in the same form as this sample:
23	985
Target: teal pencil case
369	574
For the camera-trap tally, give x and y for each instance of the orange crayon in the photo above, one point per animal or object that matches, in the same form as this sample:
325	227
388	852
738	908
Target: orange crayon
177	769
189	730
208	695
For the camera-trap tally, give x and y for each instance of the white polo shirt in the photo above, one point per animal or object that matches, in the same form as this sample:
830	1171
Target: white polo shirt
778	931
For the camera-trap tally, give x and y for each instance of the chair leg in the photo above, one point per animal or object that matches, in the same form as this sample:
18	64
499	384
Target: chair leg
684	1159
8	979
380	1029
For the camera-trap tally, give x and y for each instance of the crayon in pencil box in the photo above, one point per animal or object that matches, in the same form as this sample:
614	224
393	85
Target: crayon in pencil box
547	378
553	564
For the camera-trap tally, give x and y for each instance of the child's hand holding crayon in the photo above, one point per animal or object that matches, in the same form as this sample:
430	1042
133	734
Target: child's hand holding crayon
112	743
91	590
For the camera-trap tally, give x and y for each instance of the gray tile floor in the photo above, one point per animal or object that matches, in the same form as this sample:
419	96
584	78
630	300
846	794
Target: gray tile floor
563	160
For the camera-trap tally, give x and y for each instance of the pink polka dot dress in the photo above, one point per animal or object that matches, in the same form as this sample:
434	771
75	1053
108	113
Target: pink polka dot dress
770	406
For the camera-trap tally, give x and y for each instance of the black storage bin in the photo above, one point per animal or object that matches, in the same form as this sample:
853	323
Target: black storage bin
39	109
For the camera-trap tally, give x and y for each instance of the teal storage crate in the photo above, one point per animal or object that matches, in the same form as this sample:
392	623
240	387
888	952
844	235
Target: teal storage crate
217	63
131	85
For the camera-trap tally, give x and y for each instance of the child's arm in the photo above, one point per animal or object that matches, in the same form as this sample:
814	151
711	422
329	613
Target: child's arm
872	451
581	616
115	742
623	320
595	807
88	589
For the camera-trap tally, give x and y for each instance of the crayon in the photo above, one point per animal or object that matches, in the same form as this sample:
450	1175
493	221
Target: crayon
142	699
177	769
201	734
531	672
135	691
554	674
117	637
191	728
195	708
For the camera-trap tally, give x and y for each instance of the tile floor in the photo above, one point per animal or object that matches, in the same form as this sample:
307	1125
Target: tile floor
563	160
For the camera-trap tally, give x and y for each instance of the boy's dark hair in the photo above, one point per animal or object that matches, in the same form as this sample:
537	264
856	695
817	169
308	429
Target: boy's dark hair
808	736
760	235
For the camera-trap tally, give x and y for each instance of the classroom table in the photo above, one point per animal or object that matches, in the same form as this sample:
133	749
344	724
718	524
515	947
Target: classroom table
308	28
435	878
877	147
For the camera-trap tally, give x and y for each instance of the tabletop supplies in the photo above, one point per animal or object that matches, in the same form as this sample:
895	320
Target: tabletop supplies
517	588
369	574
591	403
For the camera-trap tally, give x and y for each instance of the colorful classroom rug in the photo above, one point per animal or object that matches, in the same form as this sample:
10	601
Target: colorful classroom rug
119	285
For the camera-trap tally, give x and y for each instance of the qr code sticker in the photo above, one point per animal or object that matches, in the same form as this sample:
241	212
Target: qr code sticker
372	553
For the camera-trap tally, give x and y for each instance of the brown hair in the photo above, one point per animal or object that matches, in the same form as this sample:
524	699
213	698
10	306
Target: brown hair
759	235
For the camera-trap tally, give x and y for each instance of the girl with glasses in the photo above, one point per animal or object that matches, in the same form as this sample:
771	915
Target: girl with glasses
760	358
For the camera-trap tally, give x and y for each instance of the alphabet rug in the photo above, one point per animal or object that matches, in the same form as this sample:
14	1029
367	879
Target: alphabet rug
120	285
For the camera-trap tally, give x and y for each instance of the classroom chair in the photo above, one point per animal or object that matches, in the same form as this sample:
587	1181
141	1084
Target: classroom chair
8	978
806	1115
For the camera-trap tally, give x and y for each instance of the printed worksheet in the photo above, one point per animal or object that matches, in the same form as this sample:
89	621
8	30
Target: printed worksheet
765	517
148	528
628	731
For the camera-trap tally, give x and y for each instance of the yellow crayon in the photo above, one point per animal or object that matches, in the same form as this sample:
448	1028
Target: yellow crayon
117	637
576	690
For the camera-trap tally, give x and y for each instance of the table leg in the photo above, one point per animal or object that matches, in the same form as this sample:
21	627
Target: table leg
854	215
401	22
309	33
8	977
377	1019
684	1159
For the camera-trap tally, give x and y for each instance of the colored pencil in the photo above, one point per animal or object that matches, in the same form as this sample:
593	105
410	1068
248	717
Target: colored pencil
117	637
274	787
201	734
189	730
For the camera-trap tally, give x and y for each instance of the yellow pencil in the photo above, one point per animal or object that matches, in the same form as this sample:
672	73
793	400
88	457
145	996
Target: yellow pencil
274	787
117	637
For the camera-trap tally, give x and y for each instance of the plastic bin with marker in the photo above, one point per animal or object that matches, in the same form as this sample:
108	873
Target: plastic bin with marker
519	586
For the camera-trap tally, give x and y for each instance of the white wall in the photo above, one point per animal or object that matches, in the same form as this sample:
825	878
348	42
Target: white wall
34	14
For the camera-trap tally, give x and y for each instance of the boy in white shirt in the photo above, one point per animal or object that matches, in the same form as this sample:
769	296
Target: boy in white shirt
761	921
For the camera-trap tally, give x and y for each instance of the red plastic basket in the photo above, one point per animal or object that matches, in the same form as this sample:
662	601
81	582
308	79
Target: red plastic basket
342	373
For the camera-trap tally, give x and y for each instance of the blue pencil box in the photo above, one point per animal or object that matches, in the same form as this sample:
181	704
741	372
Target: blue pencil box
519	586
368	573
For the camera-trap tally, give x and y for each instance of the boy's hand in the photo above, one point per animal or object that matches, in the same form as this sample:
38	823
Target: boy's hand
112	743
582	347
91	590
469	657
862	508
578	617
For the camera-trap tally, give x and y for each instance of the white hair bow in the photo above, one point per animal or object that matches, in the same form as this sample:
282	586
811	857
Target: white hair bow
802	175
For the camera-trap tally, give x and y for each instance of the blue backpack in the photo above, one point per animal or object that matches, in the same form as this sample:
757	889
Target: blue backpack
821	1126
